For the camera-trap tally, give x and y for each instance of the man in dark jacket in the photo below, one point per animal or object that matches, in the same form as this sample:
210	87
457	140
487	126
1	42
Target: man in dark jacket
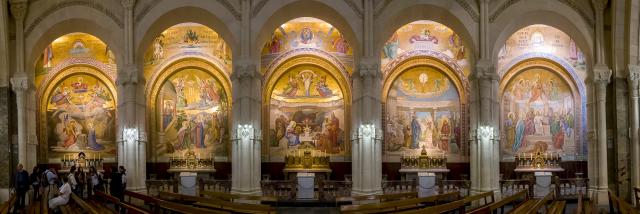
115	186
22	186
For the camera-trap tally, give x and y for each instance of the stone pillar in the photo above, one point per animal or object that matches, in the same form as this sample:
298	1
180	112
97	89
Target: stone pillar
485	151
634	120
132	147
20	85
602	74
367	161
246	144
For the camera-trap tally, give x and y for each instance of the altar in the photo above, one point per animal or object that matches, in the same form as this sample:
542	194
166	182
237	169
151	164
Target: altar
189	167
542	165
411	166
306	162
83	160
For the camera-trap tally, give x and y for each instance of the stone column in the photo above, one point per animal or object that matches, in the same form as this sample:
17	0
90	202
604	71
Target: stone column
20	85
366	146
634	120
367	161
132	148
246	145
602	74
485	151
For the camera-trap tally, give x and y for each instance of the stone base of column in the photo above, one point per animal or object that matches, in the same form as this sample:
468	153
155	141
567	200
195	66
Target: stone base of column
357	192
247	191
601	198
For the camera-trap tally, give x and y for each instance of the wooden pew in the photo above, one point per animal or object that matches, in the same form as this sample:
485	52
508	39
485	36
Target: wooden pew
514	200
636	192
401	205
217	204
443	208
7	205
487	197
533	205
87	208
579	207
180	208
616	205
235	197
146	200
376	198
117	203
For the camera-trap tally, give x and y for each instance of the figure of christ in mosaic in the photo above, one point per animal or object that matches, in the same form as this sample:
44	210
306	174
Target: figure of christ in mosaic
80	115
422	110
538	113
193	114
306	111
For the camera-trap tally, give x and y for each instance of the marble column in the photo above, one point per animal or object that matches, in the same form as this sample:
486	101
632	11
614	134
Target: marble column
246	144
132	148
602	75
20	86
485	153
366	147
634	120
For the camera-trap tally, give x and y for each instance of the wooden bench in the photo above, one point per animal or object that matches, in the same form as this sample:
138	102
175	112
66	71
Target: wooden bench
487	198
146	200
217	204
557	207
514	200
117	203
236	197
616	205
7	205
401	205
533	205
376	198
181	208
443	208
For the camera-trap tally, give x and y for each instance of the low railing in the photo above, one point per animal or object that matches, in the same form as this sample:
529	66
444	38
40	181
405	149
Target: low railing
281	189
213	185
330	190
399	186
570	188
156	186
462	186
510	187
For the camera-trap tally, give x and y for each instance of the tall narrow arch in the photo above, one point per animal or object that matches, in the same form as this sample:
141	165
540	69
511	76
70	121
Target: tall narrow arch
542	109
306	104
76	98
425	104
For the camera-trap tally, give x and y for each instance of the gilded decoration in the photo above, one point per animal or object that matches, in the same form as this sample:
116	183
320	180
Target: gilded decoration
541	40
71	49
305	35
424	107
308	108
425	38
78	112
184	41
542	111
190	106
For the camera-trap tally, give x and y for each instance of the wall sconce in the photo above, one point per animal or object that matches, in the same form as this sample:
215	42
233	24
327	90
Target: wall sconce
130	135
485	134
365	131
247	131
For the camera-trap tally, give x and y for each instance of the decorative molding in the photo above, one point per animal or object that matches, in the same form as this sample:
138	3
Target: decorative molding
128	4
465	5
231	9
420	52
256	9
634	73
378	11
602	74
308	51
145	9
354	7
61	5
19	9
570	3
19	83
242	71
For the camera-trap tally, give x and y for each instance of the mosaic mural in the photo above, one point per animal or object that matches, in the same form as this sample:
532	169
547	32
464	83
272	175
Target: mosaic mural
426	37
423	111
538	114
80	115
187	39
307	111
307	33
192	111
541	41
70	47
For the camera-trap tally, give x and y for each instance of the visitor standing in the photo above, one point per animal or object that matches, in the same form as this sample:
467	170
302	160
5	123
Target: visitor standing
22	186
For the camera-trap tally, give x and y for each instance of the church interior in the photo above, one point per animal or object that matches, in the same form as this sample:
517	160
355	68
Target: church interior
332	106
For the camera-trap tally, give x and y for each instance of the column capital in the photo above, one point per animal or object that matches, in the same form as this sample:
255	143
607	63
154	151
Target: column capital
244	70
368	68
485	70
633	75
601	74
128	75
128	4
599	5
20	82
19	9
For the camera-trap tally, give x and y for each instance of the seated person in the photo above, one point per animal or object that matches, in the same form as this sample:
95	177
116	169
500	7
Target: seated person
63	196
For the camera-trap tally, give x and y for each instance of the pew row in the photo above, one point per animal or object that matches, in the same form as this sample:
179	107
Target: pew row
217	204
401	205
